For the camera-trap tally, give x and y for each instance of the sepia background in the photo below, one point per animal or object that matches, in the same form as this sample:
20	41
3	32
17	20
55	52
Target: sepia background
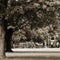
44	14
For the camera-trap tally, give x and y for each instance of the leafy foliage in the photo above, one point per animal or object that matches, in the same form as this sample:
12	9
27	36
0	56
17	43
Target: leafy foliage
32	18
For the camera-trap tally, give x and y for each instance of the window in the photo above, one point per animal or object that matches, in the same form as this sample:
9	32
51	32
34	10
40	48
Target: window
32	26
